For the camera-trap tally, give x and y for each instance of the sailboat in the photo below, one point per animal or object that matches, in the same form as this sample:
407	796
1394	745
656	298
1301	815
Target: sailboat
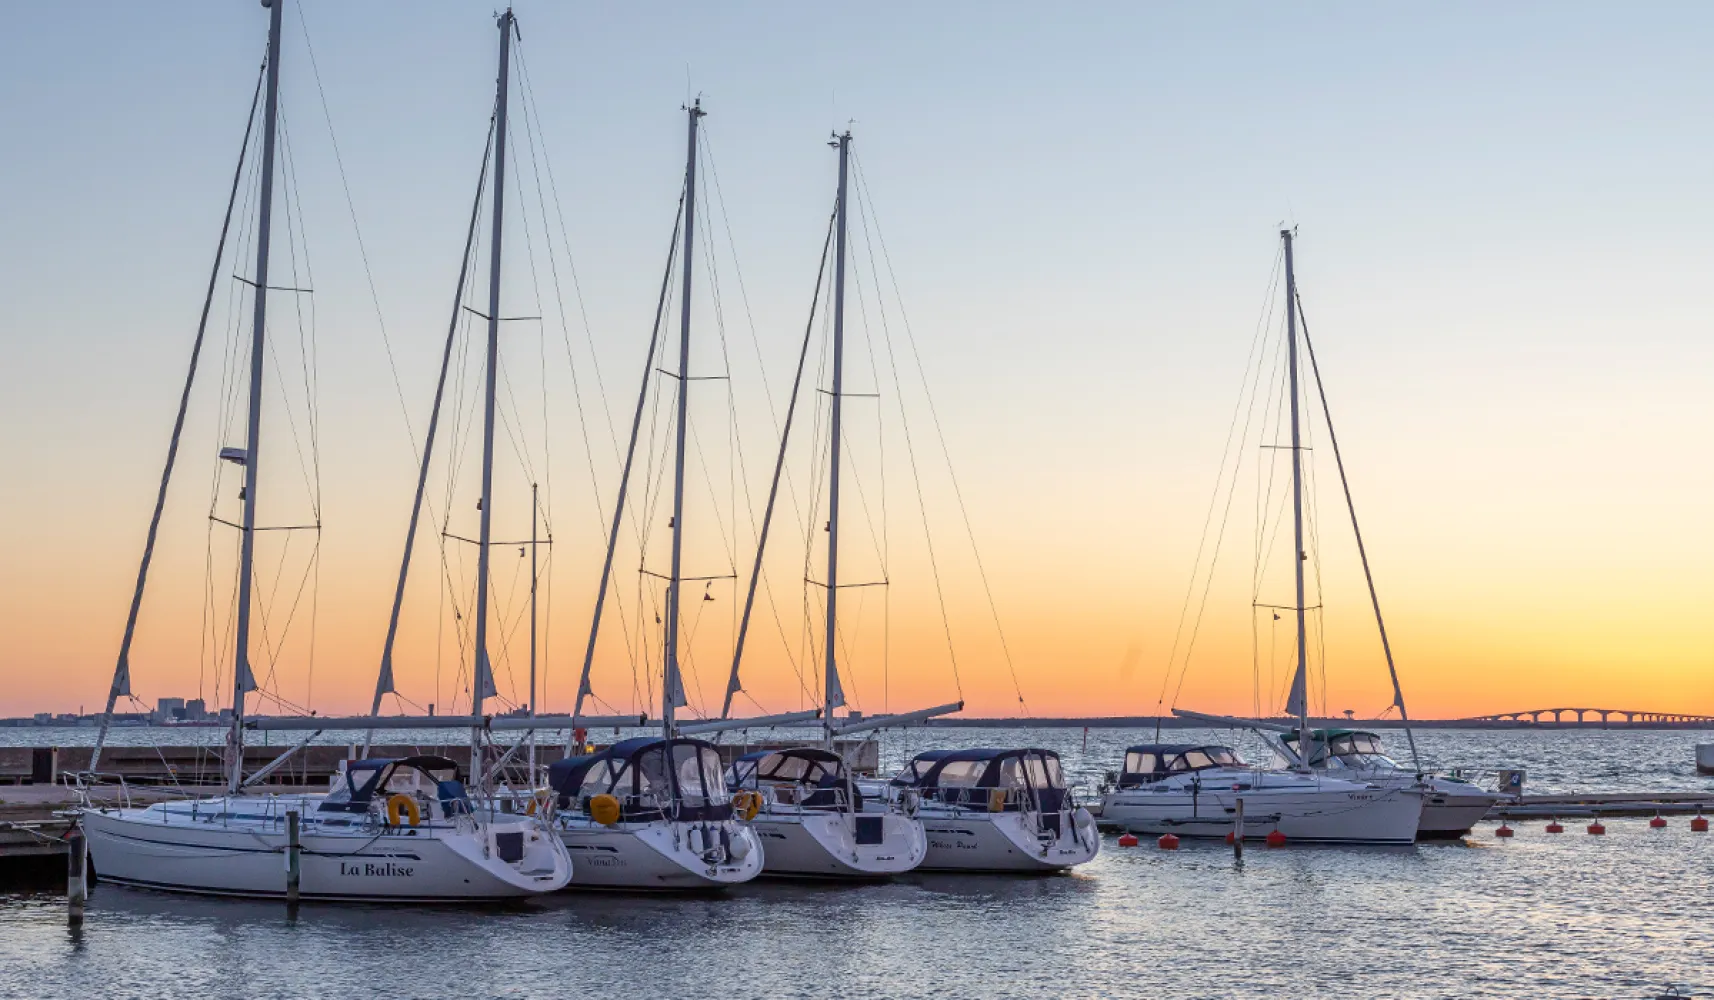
1201	791
654	812
809	811
390	830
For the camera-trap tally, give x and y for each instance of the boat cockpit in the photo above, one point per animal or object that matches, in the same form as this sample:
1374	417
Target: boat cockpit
989	779
1152	762
806	777
652	778
424	780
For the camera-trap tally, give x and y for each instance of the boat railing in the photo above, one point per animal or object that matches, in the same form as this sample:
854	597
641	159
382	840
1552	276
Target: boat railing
788	799
992	800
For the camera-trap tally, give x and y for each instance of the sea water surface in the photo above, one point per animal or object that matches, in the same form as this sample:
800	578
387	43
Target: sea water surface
1539	915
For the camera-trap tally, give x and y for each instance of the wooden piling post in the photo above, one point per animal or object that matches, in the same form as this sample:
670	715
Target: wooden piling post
1238	830
294	851
76	872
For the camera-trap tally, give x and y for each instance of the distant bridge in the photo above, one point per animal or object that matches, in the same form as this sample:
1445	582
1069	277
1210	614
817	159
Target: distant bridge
1585	716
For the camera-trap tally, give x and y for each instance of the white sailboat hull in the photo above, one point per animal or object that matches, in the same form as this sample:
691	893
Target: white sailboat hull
969	840
825	844
1449	808
1336	812
147	848
656	855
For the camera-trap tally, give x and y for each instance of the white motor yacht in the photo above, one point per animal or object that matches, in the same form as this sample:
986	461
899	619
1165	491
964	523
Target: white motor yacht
651	813
993	810
812	820
391	830
1193	790
1450	806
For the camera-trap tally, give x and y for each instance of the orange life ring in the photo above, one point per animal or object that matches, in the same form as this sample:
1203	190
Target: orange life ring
746	804
400	806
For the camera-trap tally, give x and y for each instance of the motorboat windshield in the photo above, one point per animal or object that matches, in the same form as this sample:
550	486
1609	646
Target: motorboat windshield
1151	762
651	777
1344	748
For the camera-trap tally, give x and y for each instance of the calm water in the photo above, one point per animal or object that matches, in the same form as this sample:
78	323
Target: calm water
1560	916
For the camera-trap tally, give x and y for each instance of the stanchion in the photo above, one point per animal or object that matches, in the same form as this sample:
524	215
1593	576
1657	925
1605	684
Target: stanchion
76	880
1238	830
293	852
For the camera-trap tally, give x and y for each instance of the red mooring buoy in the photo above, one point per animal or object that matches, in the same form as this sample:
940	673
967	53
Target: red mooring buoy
1276	838
1127	840
1168	842
1699	824
1658	823
1554	826
1596	828
1504	830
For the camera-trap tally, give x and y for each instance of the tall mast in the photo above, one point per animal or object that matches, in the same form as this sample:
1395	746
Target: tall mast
583	687
384	680
672	686
833	694
1362	550
1299	702
483	687
122	668
243	680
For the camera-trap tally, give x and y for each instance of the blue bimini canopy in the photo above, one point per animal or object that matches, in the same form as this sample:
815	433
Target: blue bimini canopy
651	777
364	779
820	773
967	776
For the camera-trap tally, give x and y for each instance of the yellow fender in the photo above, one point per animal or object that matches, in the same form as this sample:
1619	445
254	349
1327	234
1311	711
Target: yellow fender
604	809
400	806
746	804
996	800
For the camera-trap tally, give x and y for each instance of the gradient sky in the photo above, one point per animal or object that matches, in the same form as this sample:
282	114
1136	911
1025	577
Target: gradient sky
1503	218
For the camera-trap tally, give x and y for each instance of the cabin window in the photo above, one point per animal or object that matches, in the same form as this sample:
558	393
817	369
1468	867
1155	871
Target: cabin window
962	773
599	777
1139	763
1011	774
788	768
1055	777
1038	773
1225	757
1196	760
651	773
403	779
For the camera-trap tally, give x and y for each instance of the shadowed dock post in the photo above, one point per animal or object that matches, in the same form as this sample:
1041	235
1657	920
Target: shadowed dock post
76	875
1238	830
294	851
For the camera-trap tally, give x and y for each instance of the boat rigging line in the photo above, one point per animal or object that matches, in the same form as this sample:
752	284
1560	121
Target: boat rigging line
121	686
1362	550
1250	389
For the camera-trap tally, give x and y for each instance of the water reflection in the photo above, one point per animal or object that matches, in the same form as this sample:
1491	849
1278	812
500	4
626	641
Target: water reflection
1566	915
